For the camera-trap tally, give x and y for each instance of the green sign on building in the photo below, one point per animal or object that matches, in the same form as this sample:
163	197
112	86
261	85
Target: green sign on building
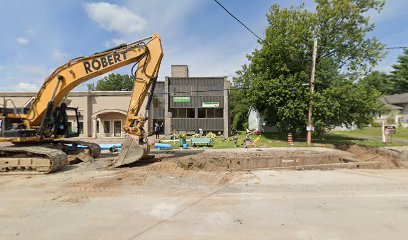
181	99
211	104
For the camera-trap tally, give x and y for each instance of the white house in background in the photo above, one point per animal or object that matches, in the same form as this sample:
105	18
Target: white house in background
397	107
345	128
257	122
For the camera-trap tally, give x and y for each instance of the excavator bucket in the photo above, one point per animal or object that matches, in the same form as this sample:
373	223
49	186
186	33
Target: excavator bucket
131	152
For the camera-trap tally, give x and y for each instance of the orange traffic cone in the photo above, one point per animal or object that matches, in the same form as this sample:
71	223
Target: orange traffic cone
290	141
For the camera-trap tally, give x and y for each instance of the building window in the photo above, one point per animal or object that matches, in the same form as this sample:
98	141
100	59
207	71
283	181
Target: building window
201	113
106	126
81	127
173	113
190	113
156	102
219	113
117	128
183	112
210	112
70	127
97	126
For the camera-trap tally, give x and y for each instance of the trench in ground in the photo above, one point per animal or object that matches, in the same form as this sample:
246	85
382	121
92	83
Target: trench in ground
348	157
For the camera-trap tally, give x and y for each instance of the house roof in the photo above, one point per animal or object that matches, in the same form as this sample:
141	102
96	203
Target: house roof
394	102
396	98
393	107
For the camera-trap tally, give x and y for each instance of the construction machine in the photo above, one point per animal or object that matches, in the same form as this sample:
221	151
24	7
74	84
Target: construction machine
40	133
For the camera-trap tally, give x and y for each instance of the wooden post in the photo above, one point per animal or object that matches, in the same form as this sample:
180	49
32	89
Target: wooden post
384	138
312	79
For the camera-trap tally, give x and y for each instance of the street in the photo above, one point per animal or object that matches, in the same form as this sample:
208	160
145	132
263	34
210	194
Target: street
156	203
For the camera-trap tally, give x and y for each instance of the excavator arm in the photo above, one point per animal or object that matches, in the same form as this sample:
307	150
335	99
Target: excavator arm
68	76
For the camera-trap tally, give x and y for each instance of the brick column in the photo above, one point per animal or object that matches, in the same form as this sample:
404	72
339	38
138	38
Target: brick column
167	120
87	115
94	127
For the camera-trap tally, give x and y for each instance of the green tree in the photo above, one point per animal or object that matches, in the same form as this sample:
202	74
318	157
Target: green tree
113	82
380	81
278	73
239	108
239	100
90	86
399	76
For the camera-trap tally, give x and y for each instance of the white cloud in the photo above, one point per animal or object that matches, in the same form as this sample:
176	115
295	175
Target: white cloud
33	70
392	10
22	77
22	40
30	32
115	18
59	55
25	87
114	42
167	17
1	68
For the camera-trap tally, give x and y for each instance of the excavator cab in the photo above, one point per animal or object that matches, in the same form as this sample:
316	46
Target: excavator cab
71	130
13	126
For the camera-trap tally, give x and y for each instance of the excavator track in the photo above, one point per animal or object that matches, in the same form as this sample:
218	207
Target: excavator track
31	159
95	149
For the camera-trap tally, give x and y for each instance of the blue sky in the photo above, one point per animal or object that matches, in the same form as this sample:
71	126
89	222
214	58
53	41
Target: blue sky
38	36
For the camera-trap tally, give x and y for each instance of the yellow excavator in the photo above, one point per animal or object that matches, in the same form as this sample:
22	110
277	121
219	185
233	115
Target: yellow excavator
40	133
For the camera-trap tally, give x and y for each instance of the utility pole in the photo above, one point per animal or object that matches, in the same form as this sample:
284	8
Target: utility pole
312	79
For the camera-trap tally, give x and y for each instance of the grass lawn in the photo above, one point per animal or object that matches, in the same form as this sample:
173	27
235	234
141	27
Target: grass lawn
265	141
370	136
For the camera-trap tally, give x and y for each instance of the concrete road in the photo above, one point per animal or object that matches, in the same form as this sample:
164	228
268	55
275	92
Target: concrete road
99	204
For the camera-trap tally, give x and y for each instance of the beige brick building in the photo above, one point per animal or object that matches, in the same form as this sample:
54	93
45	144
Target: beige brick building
180	104
102	113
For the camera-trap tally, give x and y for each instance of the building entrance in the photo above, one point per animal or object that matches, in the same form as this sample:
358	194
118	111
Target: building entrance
161	124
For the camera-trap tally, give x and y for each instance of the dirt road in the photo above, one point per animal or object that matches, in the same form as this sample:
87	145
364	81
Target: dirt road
165	201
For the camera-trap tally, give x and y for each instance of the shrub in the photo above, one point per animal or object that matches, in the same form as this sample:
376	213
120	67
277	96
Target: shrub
210	135
376	124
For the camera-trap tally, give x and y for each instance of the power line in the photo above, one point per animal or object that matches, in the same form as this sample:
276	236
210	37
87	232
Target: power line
245	26
396	47
263	41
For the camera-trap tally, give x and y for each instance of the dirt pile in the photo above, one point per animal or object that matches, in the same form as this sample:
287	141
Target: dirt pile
179	163
387	157
208	170
290	158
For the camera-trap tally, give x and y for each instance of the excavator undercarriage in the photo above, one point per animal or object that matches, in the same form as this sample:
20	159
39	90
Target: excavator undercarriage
45	157
31	159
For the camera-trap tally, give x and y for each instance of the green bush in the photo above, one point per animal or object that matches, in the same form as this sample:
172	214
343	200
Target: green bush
376	124
210	135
